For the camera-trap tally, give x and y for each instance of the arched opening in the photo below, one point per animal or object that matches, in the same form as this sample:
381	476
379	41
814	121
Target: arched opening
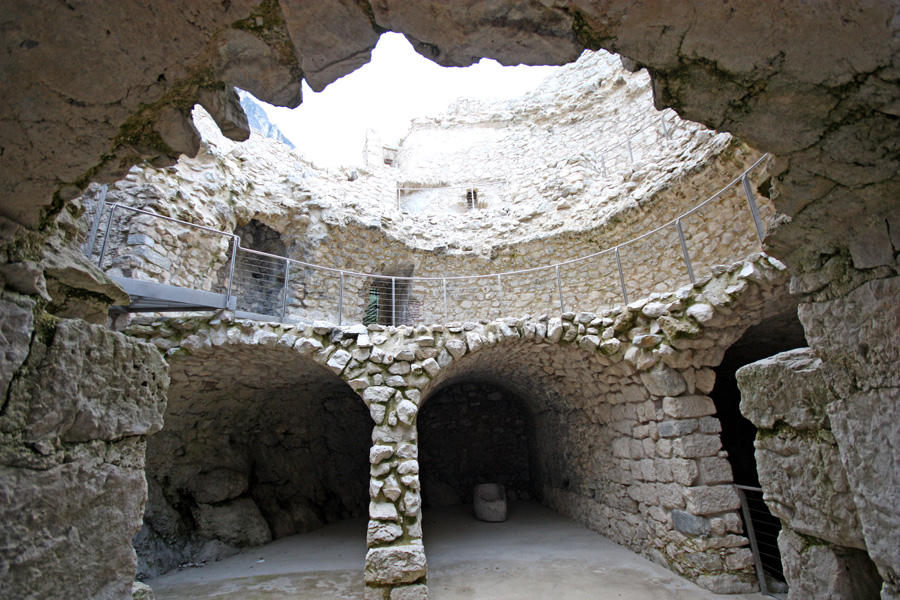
258	445
779	331
471	433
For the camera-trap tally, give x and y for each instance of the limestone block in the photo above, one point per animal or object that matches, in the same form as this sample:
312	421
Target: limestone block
670	429
381	532
383	511
410	592
728	583
406	411
664	382
690	524
684	471
807	488
696	445
70	396
705	500
395	564
457	348
789	387
715	470
339	360
703	313
237	522
490	502
379	453
818	570
684	407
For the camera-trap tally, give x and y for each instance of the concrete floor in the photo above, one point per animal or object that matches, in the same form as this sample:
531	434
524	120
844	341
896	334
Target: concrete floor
536	554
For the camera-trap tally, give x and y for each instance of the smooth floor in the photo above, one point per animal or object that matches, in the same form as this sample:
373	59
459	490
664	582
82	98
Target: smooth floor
535	554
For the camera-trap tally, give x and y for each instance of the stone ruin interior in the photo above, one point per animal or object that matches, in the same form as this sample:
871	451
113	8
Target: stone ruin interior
628	391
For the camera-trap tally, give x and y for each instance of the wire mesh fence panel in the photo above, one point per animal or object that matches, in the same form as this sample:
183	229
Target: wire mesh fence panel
315	295
763	529
532	293
720	232
259	283
591	284
653	264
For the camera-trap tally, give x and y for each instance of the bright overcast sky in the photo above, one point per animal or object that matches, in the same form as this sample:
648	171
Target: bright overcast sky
396	86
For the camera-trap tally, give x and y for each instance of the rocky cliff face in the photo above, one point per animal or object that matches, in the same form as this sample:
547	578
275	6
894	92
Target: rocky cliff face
819	88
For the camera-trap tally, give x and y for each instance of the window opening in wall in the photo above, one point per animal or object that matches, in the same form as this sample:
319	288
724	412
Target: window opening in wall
472	199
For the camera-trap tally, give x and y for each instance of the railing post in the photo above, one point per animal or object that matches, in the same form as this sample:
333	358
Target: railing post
393	302
341	301
446	313
92	239
112	212
662	121
398	199
287	274
500	294
235	242
630	153
562	306
621	275
751	200
684	251
603	164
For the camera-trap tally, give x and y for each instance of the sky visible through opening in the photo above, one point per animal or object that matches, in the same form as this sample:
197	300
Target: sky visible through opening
398	84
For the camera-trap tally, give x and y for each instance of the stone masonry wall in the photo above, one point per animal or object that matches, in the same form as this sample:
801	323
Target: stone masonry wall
805	485
626	439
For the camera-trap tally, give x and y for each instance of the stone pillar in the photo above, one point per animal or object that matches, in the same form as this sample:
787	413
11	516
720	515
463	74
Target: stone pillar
395	562
822	544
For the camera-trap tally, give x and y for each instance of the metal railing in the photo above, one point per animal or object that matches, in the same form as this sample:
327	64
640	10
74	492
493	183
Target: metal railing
280	288
465	196
762	529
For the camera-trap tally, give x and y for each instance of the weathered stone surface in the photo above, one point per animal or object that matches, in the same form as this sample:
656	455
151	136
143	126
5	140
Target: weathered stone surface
410	592
817	570
16	327
713	499
141	591
664	382
237	522
871	457
685	407
395	564
790	387
690	524
807	488
70	396
69	525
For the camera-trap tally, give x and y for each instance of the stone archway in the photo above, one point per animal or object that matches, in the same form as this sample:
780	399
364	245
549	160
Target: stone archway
258	444
631	381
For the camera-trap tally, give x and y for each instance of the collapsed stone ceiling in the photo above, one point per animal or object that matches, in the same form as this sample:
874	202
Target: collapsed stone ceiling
817	86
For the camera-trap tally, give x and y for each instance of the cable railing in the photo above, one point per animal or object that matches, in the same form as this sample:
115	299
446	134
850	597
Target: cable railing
762	529
723	228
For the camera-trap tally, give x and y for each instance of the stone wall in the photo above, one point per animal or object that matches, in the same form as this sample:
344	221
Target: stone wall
625	438
474	433
78	403
823	549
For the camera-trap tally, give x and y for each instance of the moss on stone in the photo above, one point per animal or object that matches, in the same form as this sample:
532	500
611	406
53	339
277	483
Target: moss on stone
584	33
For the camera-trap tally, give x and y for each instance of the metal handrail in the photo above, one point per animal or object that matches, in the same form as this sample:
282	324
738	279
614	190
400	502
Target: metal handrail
615	249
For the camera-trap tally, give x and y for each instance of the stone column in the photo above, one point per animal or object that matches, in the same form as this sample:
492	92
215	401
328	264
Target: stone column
823	549
395	562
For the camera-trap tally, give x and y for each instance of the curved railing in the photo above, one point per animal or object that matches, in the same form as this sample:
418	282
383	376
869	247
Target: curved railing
266	286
